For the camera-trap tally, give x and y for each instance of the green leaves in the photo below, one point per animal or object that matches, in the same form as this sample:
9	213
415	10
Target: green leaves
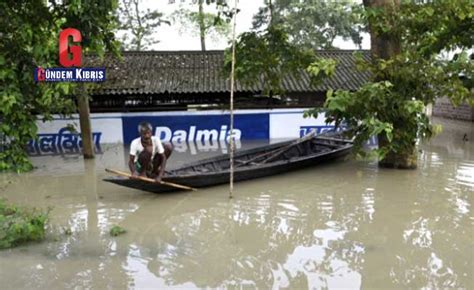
20	225
314	24
285	46
116	231
321	68
7	100
392	105
376	110
338	102
375	127
414	107
263	58
437	25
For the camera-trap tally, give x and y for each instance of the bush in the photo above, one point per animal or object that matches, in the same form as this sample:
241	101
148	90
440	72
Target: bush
20	225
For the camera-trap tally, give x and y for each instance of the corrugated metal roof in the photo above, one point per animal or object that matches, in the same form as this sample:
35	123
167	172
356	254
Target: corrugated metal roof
181	72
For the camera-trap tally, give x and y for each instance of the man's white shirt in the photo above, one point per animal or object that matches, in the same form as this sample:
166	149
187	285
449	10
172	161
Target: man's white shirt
136	147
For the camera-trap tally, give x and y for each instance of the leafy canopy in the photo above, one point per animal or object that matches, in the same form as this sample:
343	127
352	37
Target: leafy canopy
392	105
265	57
313	23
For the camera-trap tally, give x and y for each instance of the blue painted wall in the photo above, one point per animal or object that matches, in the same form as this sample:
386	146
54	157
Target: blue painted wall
251	126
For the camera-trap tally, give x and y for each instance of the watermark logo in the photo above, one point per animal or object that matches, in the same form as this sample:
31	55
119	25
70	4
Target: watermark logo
74	50
70	58
40	74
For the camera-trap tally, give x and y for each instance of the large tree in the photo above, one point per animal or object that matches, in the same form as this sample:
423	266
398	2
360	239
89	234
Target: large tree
29	32
314	23
138	24
408	73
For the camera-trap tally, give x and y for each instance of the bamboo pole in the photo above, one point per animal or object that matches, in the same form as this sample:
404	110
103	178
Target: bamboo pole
172	184
231	141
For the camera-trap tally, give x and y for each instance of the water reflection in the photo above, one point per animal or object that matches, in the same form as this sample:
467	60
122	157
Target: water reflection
465	173
341	225
251	241
195	147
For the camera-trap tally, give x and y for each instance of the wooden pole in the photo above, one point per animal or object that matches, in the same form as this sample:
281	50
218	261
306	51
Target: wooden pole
231	141
85	123
172	184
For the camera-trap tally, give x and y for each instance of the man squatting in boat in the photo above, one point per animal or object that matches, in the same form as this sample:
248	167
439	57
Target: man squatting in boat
148	155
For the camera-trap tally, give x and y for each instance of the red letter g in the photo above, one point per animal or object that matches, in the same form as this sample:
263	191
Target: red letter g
75	50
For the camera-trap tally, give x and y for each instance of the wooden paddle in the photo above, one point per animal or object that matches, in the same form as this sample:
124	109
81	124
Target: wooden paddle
125	174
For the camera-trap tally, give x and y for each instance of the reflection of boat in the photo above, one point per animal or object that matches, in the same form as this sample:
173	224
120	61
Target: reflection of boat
249	164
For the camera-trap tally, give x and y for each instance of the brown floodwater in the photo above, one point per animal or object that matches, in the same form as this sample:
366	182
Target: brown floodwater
346	224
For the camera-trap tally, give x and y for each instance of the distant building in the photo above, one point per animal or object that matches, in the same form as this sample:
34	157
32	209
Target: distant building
179	80
444	108
182	80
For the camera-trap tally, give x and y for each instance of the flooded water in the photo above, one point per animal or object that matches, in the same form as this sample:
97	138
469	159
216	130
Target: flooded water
347	224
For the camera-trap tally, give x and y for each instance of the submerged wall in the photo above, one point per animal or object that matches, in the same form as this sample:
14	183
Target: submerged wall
177	127
444	108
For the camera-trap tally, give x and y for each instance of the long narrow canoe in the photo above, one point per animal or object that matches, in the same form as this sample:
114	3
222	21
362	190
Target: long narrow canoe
249	164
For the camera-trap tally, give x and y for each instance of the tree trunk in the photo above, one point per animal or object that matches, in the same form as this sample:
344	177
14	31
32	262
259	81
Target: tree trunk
383	45
386	46
406	159
139	32
270	8
85	122
202	26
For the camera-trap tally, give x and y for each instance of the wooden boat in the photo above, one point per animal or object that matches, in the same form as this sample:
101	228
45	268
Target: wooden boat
248	164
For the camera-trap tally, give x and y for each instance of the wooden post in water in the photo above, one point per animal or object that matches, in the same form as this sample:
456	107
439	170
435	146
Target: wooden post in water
231	140
85	122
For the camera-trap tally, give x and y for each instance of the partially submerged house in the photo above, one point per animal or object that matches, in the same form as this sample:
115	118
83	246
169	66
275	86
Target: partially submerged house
182	93
179	80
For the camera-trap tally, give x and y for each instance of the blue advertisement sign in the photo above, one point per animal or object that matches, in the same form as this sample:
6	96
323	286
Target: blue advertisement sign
182	128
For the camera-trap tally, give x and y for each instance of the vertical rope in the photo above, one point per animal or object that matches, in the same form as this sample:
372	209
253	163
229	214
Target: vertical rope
231	141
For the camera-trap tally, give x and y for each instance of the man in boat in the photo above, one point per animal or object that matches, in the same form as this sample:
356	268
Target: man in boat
148	155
